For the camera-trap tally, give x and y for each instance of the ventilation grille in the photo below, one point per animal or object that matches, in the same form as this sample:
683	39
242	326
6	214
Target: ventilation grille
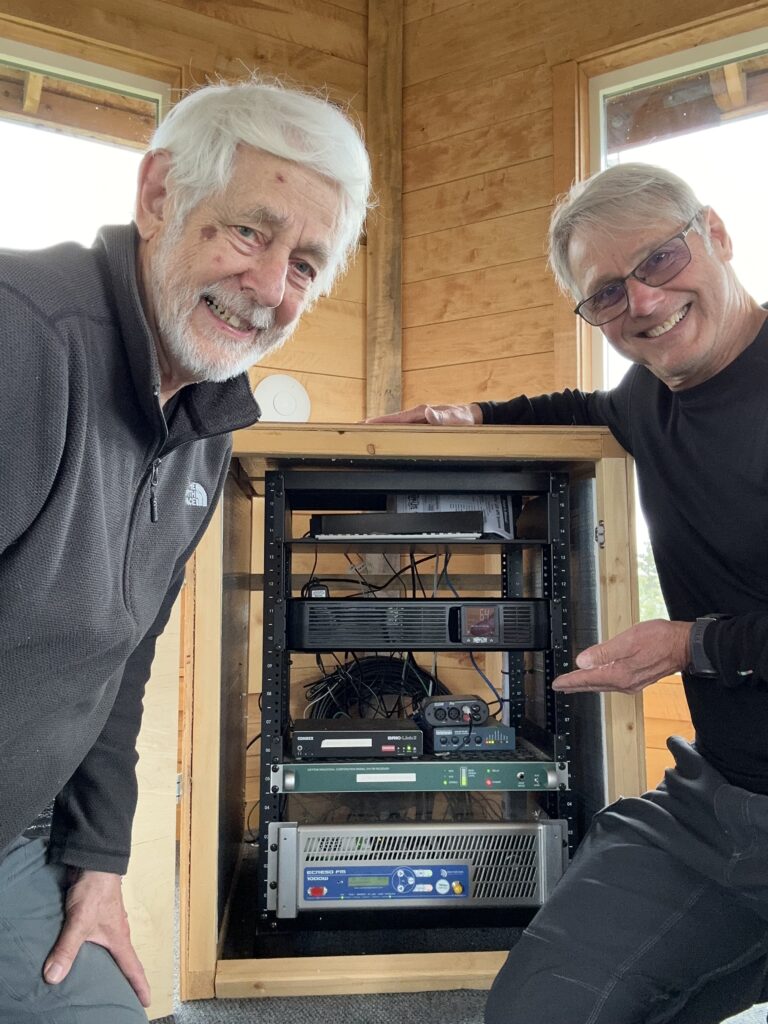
517	625
504	866
374	625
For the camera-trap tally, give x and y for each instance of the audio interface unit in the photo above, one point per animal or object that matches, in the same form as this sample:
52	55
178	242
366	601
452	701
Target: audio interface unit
448	710
321	738
459	739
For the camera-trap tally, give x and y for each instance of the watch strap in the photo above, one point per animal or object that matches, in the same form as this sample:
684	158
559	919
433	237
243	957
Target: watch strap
700	665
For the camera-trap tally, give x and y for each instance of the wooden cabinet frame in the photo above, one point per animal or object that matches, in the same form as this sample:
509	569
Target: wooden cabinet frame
591	451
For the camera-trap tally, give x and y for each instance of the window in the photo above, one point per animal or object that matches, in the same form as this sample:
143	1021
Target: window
73	133
703	114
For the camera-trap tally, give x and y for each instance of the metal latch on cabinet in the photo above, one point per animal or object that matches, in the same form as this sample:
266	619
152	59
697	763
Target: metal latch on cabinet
600	533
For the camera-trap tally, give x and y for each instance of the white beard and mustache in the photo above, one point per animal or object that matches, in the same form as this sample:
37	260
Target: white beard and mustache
207	353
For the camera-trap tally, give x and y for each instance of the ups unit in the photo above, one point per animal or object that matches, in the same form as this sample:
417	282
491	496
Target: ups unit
351	867
419	624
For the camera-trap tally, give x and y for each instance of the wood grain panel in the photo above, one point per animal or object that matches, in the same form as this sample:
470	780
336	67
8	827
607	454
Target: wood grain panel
519	236
186	38
307	23
350	287
666	700
485	30
514	141
331	397
658	729
330	339
468	35
519	333
476	293
488	103
385	228
149	883
415	9
475	74
482	381
479	197
327	975
656	762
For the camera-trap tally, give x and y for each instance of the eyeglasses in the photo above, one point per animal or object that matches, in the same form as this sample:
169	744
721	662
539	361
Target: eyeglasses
655	270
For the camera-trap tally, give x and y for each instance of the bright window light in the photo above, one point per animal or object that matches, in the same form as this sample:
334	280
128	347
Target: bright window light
59	188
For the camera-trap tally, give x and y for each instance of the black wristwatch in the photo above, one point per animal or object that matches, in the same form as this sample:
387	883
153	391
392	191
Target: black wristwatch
700	665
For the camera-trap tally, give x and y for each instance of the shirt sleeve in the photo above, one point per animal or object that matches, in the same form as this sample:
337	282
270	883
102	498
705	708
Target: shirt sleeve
738	649
34	396
93	814
610	409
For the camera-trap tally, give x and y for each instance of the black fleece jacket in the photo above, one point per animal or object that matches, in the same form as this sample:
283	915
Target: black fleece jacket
702	465
103	496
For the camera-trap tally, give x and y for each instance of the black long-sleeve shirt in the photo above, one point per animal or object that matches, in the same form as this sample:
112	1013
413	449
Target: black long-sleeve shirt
702	466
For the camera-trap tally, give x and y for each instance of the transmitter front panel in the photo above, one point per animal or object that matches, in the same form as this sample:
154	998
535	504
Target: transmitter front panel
411	883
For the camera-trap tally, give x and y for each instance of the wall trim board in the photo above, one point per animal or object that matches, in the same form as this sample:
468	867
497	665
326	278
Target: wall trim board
384	377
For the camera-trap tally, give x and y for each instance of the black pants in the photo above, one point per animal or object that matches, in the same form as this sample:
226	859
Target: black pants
662	918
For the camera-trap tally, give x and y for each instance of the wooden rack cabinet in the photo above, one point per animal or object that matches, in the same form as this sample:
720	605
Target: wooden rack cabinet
226	638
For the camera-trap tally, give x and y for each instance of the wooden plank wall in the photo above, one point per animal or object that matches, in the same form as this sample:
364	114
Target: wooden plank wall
481	318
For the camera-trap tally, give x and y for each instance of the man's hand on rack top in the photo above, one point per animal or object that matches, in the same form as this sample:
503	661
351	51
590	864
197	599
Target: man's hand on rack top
94	912
632	660
435	415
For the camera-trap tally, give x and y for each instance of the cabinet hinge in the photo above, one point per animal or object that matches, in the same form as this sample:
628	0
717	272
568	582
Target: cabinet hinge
179	787
600	534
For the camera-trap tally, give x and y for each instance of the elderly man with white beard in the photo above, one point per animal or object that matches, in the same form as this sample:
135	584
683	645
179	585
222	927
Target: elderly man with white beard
122	375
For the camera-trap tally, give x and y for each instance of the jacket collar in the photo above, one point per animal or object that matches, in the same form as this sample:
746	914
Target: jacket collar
204	409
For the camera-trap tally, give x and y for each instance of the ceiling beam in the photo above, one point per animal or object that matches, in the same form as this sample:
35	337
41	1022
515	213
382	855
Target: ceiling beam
33	89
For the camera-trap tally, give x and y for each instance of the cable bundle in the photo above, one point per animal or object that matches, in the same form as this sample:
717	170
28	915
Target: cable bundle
371	687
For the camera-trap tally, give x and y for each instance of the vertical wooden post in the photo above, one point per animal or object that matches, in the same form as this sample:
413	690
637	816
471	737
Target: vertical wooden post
572	337
624	726
199	843
384	242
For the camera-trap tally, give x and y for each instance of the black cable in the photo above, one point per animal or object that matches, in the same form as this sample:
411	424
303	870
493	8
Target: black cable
358	687
250	743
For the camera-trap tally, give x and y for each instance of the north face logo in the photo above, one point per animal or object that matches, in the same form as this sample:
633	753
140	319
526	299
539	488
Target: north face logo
196	495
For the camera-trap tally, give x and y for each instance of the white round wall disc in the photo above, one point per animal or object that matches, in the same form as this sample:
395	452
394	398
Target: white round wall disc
281	397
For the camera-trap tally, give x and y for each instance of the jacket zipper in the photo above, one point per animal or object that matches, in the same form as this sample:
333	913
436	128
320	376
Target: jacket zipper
153	513
155	469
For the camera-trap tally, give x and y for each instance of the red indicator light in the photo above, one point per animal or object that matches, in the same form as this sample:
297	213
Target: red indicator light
317	890
489	782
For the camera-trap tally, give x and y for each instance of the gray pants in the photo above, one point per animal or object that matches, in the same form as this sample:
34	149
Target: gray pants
662	918
31	915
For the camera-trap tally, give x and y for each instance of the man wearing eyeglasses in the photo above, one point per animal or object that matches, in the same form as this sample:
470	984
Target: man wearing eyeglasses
663	916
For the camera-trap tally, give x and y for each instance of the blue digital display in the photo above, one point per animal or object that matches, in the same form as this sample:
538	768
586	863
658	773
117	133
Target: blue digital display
412	881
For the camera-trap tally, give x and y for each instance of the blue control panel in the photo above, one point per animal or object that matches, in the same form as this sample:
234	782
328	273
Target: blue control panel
363	882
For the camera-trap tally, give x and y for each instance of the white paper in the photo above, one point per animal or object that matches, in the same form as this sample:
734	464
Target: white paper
498	513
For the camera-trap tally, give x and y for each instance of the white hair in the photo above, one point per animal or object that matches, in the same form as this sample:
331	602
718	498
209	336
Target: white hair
617	199
202	132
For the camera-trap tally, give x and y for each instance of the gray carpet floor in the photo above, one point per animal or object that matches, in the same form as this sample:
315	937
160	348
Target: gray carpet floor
464	1006
461	1007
